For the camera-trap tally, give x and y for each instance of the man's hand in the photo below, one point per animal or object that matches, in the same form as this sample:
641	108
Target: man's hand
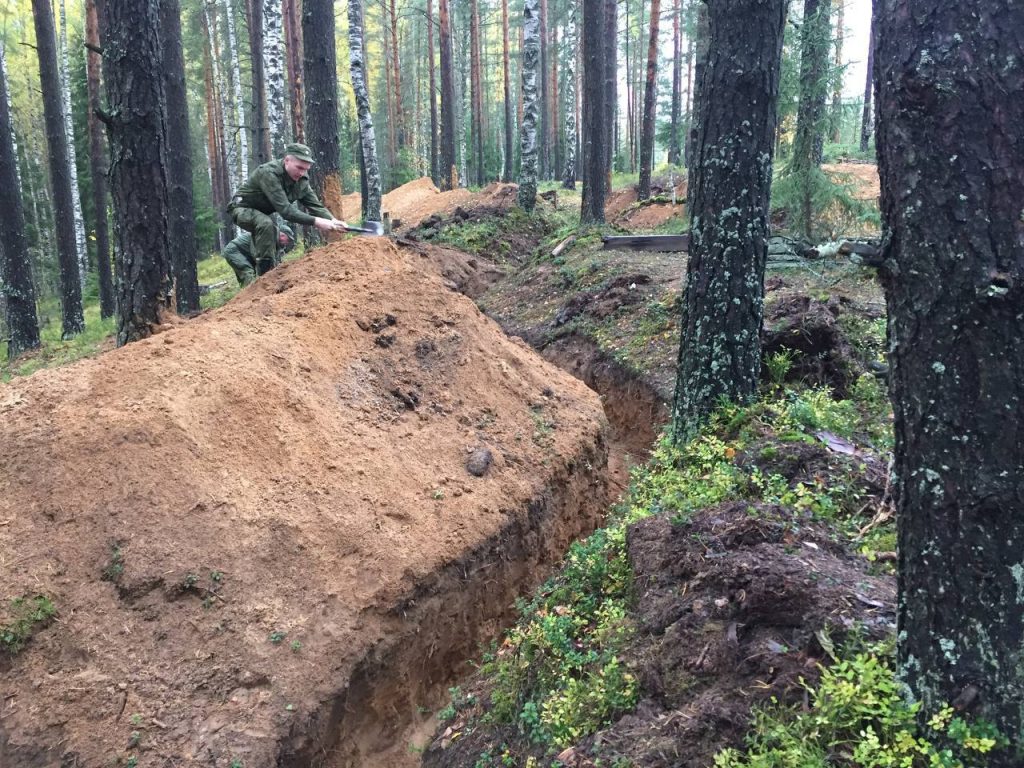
340	225
325	225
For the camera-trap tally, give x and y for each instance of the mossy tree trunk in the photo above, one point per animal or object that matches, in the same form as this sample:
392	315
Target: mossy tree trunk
951	160
720	349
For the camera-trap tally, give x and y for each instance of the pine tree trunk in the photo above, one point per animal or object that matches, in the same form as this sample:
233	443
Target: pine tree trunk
447	154
320	65
16	286
72	319
98	162
293	34
138	178
865	120
367	140
69	129
720	348
569	68
273	58
435	160
594	111
214	146
837	84
237	138
260	123
611	69
223	132
700	57
647	134
476	101
542	108
951	162
555	161
396	63
677	91
181	215
810	118
508	172
528	138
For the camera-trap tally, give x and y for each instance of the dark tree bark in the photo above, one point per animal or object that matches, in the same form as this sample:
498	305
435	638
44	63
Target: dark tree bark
260	123
16	286
448	105
293	44
72	319
320	66
396	82
98	162
476	99
865	121
138	177
699	45
720	348
677	92
611	68
181	215
508	172
808	142
595	122
951	161
647	134
434	149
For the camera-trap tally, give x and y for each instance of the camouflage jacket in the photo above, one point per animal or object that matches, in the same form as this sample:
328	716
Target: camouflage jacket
270	190
243	242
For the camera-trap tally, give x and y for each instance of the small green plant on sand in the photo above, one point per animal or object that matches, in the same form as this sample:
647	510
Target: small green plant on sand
26	614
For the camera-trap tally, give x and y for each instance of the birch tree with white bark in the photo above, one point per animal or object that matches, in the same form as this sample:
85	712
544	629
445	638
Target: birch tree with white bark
569	69
274	64
357	68
528	137
236	138
65	95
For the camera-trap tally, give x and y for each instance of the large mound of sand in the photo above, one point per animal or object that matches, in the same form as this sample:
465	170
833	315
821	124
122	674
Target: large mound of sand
417	200
235	516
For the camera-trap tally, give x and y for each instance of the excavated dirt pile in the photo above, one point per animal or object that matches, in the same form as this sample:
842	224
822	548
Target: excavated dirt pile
273	534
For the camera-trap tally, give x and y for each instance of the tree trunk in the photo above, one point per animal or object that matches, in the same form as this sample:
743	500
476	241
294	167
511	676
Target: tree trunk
611	36
447	155
542	108
810	118
181	215
476	99
219	183
98	162
65	93
508	172
237	138
677	90
72	318
595	122
224	164
720	348
951	161
434	148
138	180
865	121
528	138
273	58
569	68
320	66
396	81
700	50
368	142
552	107
293	33
16	285
647	131
260	123
837	81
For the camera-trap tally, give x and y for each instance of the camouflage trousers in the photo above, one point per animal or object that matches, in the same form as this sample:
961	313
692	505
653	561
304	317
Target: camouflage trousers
264	239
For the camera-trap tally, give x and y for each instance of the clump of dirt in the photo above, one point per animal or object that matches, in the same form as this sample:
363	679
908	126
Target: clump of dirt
807	328
624	208
468	274
735	607
261	530
620	291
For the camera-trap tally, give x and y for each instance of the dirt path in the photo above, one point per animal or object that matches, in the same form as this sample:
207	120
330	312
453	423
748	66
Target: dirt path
259	530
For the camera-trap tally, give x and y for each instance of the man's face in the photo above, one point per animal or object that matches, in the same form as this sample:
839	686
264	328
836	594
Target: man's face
295	168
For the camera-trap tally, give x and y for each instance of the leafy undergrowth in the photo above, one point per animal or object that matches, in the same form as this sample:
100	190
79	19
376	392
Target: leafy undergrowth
747	573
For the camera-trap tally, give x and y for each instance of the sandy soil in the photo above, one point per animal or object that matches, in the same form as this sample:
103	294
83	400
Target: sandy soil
413	202
234	517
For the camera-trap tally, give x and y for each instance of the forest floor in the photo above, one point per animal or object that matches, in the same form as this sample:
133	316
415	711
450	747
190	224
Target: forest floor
358	382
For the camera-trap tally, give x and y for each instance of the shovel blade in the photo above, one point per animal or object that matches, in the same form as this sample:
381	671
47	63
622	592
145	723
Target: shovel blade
372	228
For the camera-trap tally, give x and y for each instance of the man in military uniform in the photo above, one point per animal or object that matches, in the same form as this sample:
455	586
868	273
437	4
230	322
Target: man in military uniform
238	253
280	186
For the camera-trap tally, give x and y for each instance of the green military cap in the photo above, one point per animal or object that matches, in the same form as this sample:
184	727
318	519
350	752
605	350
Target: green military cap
299	152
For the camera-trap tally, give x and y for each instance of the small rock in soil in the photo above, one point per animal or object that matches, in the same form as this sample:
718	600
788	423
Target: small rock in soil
479	461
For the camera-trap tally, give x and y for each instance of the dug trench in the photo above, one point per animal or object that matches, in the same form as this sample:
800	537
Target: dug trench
386	714
276	534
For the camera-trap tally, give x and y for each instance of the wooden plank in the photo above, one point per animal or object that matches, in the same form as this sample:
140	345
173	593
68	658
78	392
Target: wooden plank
666	243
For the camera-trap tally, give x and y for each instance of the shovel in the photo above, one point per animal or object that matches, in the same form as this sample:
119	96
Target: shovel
374	228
